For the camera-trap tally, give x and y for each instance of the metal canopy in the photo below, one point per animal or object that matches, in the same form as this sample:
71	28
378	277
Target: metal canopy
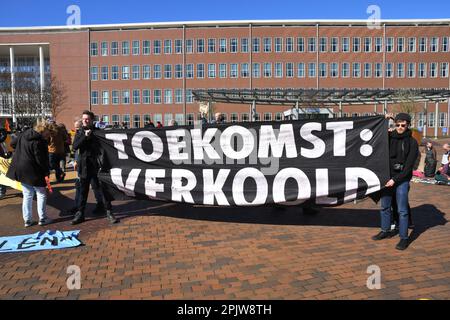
320	97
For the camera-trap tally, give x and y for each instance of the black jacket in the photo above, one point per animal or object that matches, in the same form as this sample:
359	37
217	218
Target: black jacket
89	153
403	149
30	160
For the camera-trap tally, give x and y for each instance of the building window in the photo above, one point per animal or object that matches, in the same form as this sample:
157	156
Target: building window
157	73
423	44
211	45
434	44
345	70
136	72
146	72
125	48
433	70
411	70
390	44
115	119
104	49
289	44
223	45
136	121
190	119
334	44
311	70
244	45
146	47
125	96
278	70
94	73
211	70
167	46
94	49
126	120
311	44
157	117
115	97
356	70
422	70
125	72
267	70
189	96
114	48
389	70
245	73
136	48
178	96
345	44
233	45
378	44
445	44
167	119
323	44
200	71
189	46
356	44
178	71
400	44
105	73
157	99
289	70
278	44
431	119
444	69
234	117
156	46
267	116
400	70
167	71
323	70
178	46
278	116
256	70
442	119
136	96
301	44
233	70
223	70
301	70
146	97
190	71
267	44
94	97
200	45
334	70
256	45
367	70
412	44
168	96
378	70
367	44
245	117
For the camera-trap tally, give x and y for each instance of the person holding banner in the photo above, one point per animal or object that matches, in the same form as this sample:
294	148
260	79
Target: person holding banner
88	166
403	150
30	166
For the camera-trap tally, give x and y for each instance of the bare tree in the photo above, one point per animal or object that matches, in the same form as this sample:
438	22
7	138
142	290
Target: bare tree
55	97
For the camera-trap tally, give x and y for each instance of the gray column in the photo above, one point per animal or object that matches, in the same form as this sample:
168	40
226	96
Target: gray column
375	108
13	92
425	109
297	110
253	112
42	75
340	109
436	120
385	110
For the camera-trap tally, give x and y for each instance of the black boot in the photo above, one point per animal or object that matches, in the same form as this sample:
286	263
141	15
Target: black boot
110	217
382	235
403	244
79	218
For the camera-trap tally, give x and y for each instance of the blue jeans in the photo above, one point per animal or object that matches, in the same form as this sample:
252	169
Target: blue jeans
27	204
401	193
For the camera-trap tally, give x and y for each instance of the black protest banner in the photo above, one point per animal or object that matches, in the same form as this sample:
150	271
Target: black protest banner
312	162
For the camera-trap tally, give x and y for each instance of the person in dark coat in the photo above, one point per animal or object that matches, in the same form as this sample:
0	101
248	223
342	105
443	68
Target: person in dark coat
87	145
30	166
403	150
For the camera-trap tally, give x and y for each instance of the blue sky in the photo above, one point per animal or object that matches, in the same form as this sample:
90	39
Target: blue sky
46	12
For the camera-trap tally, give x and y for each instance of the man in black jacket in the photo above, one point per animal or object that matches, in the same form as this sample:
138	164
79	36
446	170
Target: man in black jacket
403	150
88	166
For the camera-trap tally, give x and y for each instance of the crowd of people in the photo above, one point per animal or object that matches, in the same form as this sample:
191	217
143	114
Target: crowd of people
47	145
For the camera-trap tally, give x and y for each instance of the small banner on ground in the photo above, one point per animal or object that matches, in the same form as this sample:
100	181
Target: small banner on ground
43	240
310	163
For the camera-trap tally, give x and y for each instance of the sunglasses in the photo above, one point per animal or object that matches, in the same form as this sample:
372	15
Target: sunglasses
401	125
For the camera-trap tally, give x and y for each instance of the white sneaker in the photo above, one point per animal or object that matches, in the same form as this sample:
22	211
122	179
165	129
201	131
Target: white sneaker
28	223
45	221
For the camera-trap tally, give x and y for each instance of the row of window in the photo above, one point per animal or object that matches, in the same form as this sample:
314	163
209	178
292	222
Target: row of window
244	117
137	96
269	70
268	44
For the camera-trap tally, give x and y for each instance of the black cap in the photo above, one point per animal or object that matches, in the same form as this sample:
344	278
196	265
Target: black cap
403	117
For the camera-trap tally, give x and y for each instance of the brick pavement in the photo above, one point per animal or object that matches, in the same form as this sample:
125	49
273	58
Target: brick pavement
168	251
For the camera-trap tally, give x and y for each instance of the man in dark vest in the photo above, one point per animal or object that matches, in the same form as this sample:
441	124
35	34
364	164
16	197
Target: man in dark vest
403	150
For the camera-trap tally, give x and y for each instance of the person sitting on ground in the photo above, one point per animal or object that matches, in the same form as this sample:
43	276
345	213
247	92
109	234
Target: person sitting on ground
444	160
30	166
443	174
